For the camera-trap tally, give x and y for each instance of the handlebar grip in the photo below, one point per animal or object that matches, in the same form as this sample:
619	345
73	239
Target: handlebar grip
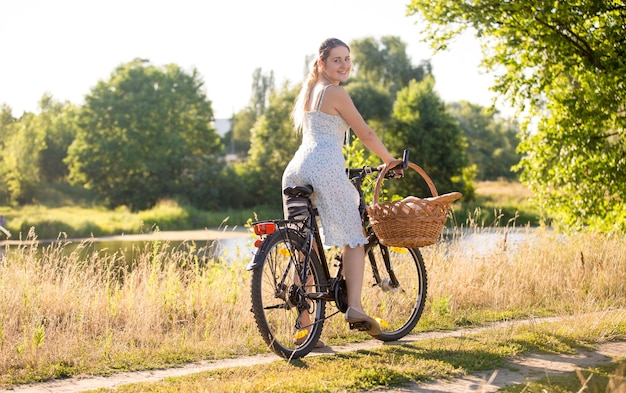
404	164
405	159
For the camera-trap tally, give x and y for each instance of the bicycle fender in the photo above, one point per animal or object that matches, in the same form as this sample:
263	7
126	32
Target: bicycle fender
253	264
263	237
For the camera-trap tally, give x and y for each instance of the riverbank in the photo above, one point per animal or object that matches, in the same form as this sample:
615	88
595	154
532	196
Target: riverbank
497	204
189	235
239	233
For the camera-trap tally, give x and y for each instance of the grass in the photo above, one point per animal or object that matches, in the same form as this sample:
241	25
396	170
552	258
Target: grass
67	314
398	365
61	315
82	221
496	204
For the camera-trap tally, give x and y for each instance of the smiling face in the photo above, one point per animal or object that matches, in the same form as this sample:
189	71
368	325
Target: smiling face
337	66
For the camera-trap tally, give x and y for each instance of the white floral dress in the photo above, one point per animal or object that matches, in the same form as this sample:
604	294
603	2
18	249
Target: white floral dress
320	162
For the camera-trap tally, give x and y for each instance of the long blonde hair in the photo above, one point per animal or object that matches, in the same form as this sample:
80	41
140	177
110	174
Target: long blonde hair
304	97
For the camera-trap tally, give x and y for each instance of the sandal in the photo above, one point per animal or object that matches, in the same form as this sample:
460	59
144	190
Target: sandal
318	344
358	318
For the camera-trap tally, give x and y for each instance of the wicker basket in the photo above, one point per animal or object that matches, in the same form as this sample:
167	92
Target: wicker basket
411	222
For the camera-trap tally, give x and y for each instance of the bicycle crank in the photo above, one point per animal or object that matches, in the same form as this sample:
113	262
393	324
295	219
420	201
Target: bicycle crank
340	292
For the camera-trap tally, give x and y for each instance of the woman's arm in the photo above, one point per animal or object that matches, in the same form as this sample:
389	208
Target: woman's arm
337	99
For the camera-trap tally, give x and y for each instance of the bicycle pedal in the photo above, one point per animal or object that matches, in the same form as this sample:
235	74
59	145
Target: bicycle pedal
362	326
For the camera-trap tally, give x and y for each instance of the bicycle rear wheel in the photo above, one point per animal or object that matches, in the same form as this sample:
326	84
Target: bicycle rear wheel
397	302
289	322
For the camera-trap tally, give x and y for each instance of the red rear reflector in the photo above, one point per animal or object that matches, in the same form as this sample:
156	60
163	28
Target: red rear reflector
264	228
258	243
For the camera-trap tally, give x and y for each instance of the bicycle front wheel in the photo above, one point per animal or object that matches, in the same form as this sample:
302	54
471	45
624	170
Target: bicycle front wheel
289	321
394	289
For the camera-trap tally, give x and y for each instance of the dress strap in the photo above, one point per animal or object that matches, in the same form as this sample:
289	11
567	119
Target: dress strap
321	97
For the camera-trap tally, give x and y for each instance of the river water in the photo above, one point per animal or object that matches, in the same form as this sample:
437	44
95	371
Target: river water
239	245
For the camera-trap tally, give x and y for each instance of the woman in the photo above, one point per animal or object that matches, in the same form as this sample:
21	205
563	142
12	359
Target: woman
324	112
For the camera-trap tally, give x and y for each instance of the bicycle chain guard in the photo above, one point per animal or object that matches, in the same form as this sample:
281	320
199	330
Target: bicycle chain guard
340	291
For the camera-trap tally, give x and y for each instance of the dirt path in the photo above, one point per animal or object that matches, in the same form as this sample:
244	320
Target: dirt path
519	370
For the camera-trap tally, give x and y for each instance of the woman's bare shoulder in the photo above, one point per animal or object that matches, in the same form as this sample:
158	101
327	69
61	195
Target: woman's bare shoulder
337	92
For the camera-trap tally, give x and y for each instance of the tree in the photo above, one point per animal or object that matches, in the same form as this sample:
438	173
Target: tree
238	138
239	135
564	64
385	63
373	102
19	169
491	141
58	122
33	147
382	68
6	120
273	143
262	87
142	133
436	143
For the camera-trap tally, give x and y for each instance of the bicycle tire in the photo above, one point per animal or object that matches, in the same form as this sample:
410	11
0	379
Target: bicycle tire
397	309
273	303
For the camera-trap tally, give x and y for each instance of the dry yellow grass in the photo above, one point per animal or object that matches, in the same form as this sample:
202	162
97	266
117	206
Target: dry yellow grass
534	269
62	315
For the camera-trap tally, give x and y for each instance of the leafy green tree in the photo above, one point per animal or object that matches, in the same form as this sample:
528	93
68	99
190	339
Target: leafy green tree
385	62
33	147
375	105
492	141
273	143
372	100
206	183
564	64
58	121
142	133
6	120
382	67
262	87
19	169
436	143
238	138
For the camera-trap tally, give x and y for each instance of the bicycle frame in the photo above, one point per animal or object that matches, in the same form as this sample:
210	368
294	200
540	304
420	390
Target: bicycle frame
357	176
293	280
313	243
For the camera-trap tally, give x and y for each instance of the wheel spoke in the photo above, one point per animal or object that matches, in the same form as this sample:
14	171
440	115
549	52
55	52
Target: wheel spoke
398	308
282	324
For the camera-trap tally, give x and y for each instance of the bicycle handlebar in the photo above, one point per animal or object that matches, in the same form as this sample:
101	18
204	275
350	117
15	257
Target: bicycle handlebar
368	170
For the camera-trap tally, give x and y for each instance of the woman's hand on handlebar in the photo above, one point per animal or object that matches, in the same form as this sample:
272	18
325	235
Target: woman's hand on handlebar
396	171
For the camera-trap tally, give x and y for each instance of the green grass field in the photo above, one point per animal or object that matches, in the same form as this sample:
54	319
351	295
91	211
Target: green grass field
69	214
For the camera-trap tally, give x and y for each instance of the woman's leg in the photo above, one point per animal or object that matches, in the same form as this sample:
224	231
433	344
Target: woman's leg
353	267
353	271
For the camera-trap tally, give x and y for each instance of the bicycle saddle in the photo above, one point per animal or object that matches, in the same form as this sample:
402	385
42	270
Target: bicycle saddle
297	201
298	191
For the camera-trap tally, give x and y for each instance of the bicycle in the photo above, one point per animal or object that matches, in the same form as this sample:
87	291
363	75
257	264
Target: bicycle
292	283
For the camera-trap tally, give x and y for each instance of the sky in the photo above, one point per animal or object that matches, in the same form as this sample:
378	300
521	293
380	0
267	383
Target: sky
64	47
